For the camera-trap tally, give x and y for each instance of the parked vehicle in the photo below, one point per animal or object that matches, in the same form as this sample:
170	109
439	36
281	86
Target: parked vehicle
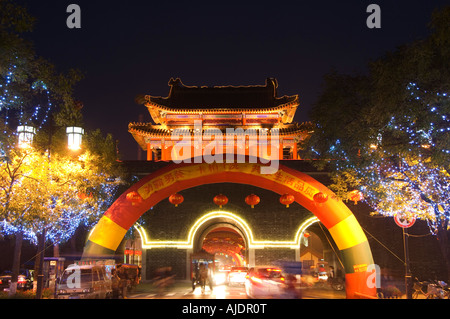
265	282
237	275
24	280
84	282
431	289
438	290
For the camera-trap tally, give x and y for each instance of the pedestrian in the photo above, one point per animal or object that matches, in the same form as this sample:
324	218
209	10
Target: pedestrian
115	283
123	284
331	275
203	276
331	272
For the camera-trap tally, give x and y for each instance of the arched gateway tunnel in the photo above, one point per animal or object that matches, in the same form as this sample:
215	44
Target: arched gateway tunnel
226	243
236	233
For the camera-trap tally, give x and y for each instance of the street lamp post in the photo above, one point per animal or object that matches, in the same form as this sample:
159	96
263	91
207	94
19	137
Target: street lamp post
408	279
25	136
405	222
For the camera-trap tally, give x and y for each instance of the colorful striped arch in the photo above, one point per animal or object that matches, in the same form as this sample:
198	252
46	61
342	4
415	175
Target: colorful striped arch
332	213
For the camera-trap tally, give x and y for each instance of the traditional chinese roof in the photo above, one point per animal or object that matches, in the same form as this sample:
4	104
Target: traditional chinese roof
220	99
143	131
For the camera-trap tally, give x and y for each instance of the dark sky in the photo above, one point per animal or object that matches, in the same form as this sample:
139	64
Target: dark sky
126	48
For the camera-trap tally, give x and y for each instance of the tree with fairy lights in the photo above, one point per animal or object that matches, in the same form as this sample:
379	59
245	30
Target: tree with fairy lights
388	132
46	191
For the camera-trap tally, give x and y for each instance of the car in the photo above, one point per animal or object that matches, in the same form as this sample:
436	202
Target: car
91	282
265	282
24	280
237	275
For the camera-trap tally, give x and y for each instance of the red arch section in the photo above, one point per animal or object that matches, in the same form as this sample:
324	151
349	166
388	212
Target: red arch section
333	213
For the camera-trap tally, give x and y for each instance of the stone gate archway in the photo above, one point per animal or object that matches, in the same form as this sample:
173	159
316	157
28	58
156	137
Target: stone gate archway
308	192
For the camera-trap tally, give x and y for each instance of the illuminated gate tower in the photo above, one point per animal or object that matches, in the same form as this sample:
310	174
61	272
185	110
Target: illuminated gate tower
254	109
254	236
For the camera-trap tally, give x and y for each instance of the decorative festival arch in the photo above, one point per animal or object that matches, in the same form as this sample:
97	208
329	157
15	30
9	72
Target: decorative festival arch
308	192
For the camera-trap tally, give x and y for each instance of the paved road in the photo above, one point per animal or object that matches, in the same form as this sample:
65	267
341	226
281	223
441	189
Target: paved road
183	290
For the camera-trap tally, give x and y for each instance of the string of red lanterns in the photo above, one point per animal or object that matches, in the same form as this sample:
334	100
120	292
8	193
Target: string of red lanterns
251	200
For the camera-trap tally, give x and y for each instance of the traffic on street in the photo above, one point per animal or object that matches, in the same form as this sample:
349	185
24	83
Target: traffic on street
183	290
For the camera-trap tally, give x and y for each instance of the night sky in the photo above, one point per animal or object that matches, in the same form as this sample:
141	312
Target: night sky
126	48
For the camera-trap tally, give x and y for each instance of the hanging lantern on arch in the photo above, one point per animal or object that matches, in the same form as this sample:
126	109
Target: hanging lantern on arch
287	199
134	198
355	196
252	200
220	200
320	197
176	199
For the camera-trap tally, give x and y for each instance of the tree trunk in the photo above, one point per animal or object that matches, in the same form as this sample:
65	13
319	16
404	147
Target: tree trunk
73	245
39	265
55	250
16	264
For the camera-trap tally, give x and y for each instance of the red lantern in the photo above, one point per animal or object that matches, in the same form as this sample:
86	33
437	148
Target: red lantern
355	196
320	197
176	199
82	195
252	200
287	199
134	198
220	200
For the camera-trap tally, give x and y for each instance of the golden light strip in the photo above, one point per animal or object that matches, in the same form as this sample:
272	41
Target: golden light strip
241	223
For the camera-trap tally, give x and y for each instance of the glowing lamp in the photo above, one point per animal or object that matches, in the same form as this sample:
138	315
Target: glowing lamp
26	135
320	197
134	198
306	235
74	137
287	199
252	200
220	200
176	199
